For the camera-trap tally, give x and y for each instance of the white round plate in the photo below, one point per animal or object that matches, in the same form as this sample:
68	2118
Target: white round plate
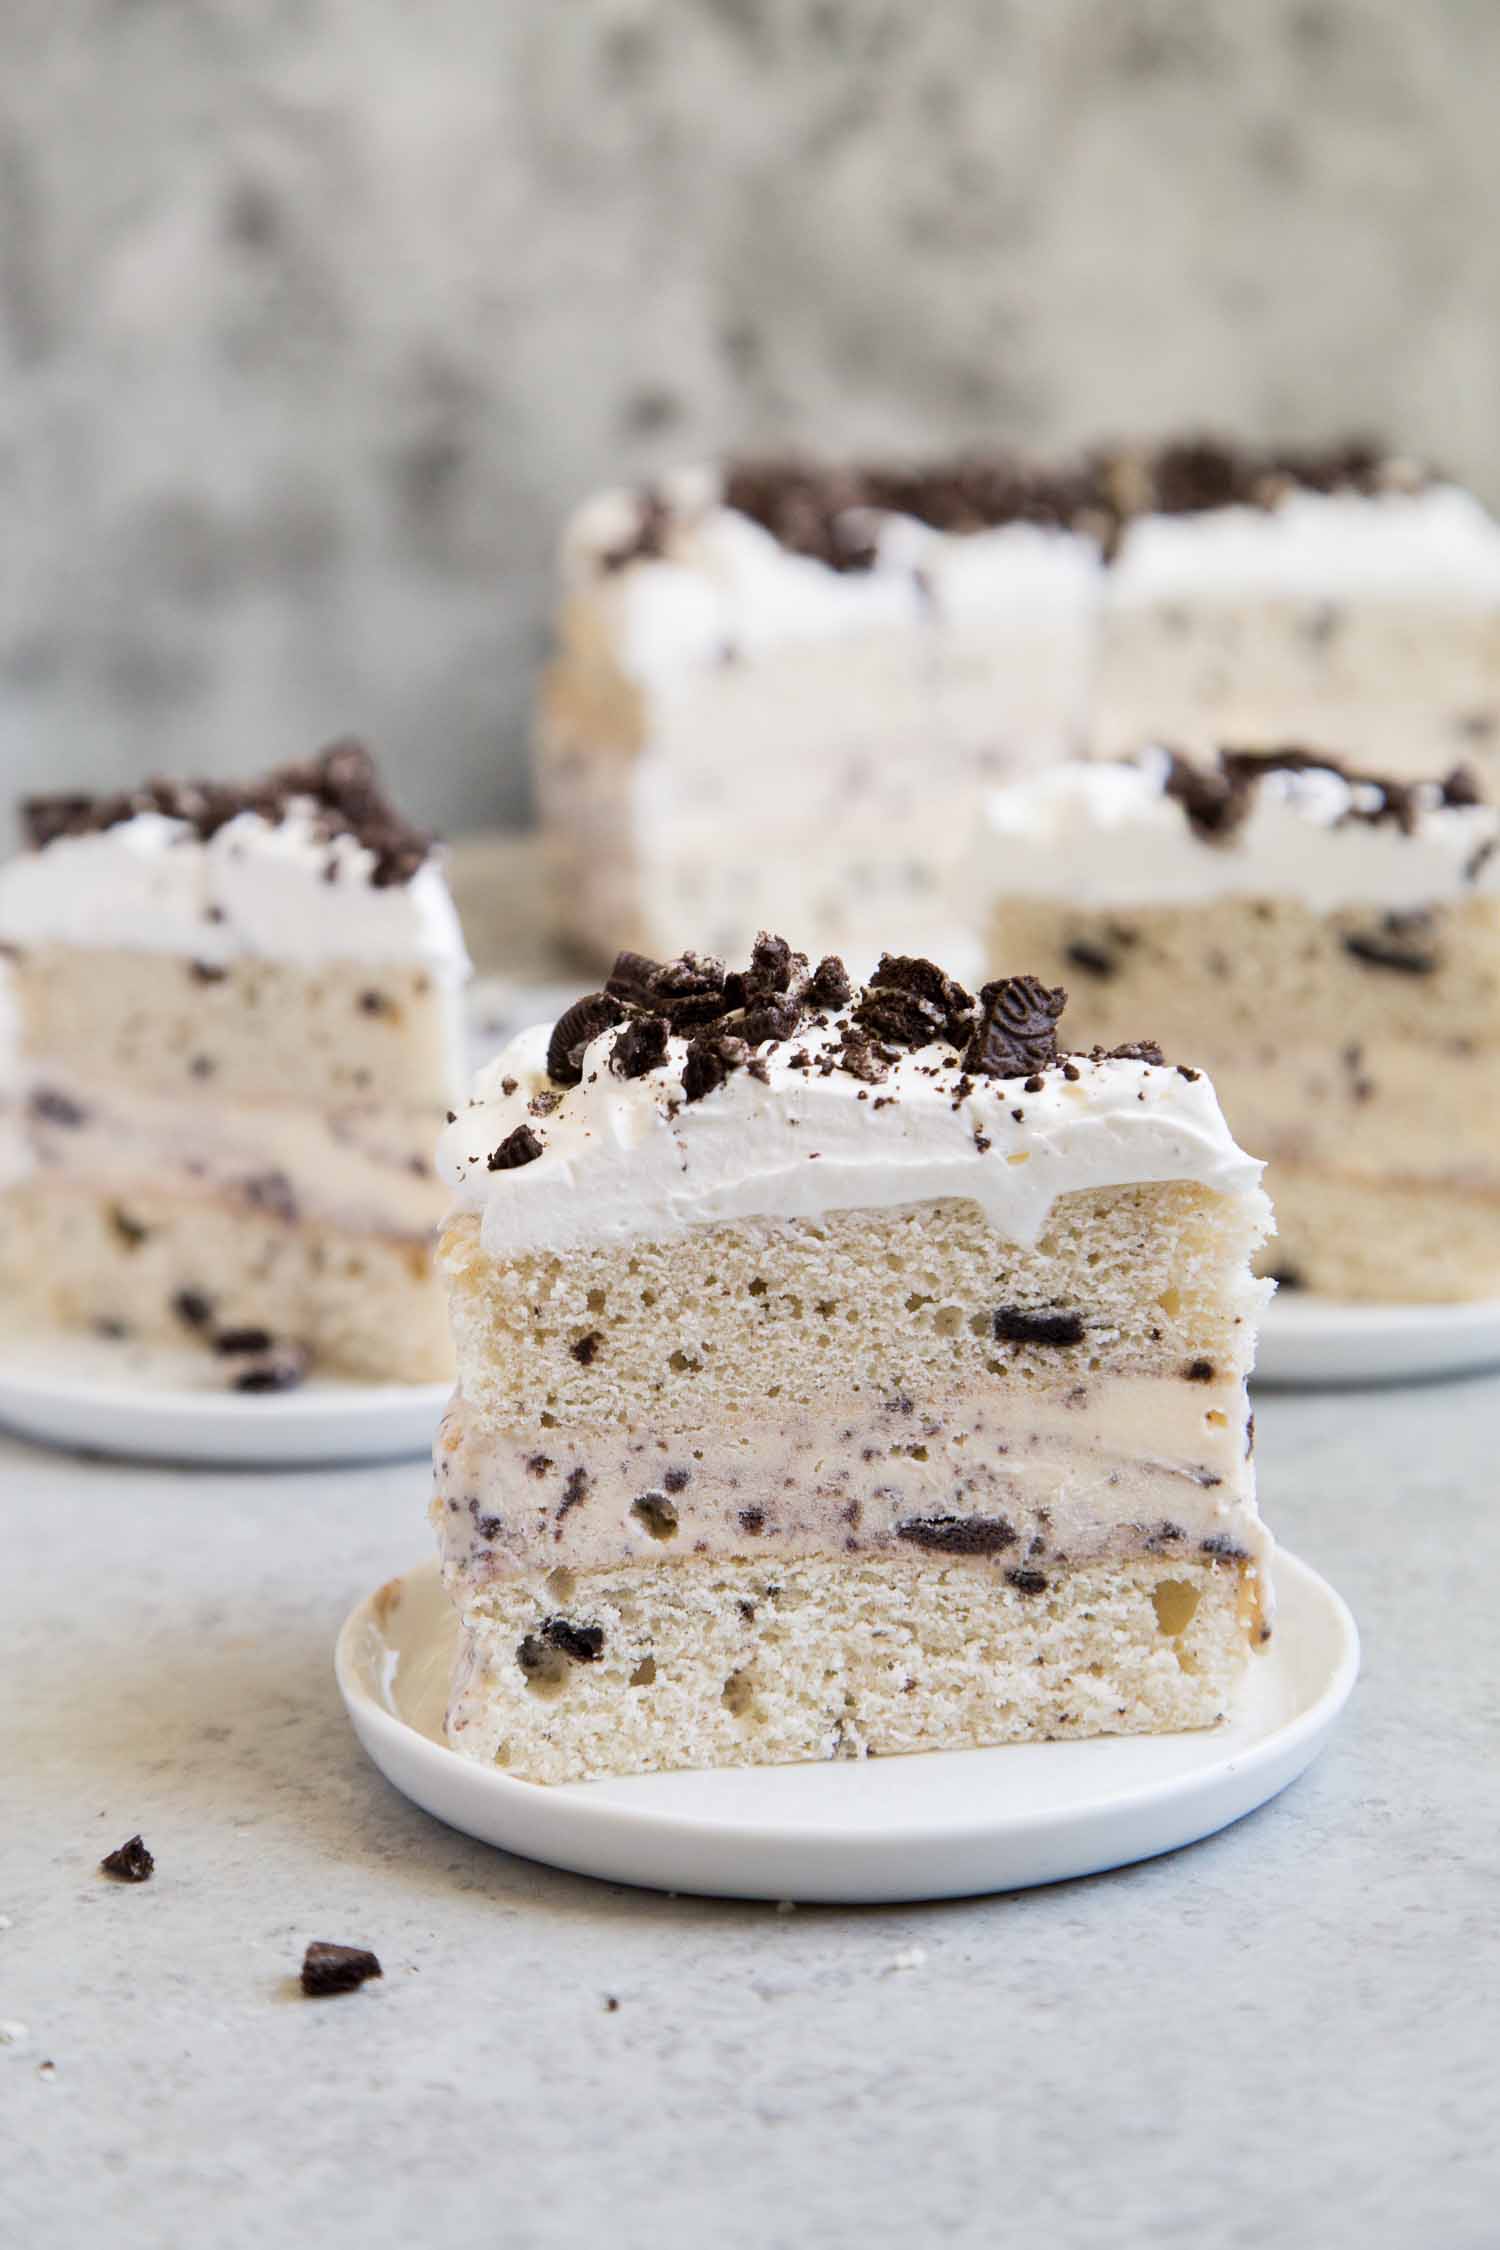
101	1396
1308	1340
942	1826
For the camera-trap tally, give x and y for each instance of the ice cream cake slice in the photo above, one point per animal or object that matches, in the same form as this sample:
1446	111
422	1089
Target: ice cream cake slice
236	1037
1326	943
841	1371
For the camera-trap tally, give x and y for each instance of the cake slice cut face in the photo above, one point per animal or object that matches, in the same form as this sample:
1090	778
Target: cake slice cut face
1326	944
236	1035
841	1372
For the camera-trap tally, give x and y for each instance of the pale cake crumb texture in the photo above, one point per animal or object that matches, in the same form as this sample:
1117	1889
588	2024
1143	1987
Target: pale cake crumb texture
360	1305
744	1663
737	1318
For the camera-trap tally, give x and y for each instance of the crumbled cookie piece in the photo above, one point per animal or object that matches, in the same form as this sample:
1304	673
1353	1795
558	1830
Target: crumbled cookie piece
328	1968
129	1862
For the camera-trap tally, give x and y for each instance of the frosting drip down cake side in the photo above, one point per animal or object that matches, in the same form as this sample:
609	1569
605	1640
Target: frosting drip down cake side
841	1371
1325	942
236	1033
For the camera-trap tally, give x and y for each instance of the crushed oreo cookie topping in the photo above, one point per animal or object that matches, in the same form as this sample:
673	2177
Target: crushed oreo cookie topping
519	1147
573	1031
1016	1032
340	784
833	513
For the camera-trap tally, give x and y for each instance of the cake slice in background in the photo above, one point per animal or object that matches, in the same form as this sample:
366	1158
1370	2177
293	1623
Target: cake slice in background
1345	599
1327	944
779	692
238	1032
839	1373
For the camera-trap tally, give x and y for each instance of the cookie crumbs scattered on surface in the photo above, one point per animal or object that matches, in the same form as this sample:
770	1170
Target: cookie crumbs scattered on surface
129	1862
328	1968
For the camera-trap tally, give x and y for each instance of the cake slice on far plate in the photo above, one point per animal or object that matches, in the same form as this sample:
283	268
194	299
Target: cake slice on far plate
842	1371
237	1032
1325	942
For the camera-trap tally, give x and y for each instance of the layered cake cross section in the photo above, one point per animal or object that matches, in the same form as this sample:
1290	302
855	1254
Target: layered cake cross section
236	1032
1325	942
841	1371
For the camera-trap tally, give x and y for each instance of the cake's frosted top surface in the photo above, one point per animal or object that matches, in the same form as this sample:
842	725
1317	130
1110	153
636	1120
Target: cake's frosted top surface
680	1096
310	864
1161	830
826	511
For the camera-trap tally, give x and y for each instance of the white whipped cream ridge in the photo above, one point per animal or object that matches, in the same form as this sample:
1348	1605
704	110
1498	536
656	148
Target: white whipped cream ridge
630	1159
1108	835
725	583
256	887
1439	545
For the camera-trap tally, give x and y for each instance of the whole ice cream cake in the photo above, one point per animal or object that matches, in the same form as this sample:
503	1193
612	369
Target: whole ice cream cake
841	1371
236	1034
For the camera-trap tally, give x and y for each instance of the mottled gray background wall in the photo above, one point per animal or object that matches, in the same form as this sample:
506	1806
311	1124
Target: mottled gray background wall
317	314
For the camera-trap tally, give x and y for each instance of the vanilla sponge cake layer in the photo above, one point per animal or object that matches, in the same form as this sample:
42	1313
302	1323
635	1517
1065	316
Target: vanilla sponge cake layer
1244	977
730	1319
1409	684
755	1662
180	1268
253	1030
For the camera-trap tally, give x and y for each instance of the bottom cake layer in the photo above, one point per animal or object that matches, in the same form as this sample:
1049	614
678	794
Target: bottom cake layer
1389	1242
728	1663
179	1268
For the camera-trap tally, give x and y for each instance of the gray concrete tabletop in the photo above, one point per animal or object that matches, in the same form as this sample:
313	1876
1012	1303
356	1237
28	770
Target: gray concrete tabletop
1285	2034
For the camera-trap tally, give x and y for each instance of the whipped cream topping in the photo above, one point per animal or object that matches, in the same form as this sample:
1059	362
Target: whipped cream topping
1439	545
631	1159
282	888
1110	835
723	583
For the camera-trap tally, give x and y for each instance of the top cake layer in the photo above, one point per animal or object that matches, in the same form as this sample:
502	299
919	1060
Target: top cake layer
311	864
1159	829
681	1096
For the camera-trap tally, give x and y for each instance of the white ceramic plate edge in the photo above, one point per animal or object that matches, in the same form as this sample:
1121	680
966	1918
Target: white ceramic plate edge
315	1424
1013	1848
1312	1340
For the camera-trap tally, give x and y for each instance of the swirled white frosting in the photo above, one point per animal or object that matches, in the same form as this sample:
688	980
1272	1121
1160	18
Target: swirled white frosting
629	1159
1108	835
283	889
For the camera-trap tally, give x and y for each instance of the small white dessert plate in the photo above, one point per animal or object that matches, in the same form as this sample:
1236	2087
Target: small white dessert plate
1308	1340
98	1395
942	1826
